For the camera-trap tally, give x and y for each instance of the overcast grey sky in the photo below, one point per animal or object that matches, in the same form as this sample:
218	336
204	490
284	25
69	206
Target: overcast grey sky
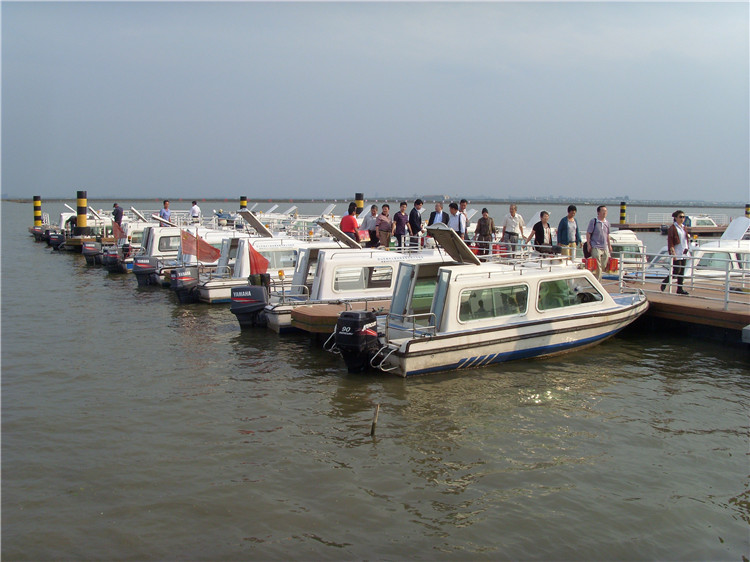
139	99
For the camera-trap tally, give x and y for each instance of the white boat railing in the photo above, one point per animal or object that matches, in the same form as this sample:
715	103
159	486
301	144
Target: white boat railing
725	284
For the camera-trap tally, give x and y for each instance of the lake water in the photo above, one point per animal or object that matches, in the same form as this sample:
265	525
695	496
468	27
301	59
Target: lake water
136	428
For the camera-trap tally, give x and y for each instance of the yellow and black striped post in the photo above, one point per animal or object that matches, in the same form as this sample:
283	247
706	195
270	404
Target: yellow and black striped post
359	200
747	210
243	203
623	212
37	210
82	206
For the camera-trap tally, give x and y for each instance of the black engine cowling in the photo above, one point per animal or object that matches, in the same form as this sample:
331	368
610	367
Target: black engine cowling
357	338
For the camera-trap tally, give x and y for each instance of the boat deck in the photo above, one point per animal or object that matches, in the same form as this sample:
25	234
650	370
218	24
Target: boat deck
322	318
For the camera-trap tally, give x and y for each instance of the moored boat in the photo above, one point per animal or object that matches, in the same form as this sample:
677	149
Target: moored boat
473	314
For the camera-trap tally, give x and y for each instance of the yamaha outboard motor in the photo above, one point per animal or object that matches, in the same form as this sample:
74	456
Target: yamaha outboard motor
92	251
249	302
145	271
184	282
56	239
111	258
357	338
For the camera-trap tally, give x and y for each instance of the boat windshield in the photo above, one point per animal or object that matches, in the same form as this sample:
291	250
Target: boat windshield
715	260
401	290
438	303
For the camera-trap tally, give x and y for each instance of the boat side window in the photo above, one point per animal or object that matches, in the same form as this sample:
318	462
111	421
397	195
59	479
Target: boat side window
362	278
560	293
281	259
493	302
136	237
168	243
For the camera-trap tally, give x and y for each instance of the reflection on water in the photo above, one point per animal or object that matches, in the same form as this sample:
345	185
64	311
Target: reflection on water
136	427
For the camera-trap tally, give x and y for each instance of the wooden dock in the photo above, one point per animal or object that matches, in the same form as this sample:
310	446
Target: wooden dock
699	314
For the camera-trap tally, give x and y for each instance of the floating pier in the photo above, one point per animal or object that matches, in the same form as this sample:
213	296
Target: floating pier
697	314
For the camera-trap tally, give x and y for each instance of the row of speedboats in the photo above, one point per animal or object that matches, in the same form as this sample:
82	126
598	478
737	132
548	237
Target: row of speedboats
407	312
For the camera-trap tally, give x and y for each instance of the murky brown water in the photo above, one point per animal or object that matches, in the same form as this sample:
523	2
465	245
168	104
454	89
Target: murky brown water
137	428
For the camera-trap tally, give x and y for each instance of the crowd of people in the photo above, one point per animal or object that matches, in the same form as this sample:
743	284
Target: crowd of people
408	229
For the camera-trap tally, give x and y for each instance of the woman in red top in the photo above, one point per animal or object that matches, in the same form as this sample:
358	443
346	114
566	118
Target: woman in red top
349	224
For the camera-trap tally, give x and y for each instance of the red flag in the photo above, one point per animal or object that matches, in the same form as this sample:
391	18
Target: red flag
206	252
118	232
258	263
188	243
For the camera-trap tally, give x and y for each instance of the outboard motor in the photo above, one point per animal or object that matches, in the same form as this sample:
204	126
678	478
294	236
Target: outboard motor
249	303
145	271
110	259
56	239
91	251
184	282
357	338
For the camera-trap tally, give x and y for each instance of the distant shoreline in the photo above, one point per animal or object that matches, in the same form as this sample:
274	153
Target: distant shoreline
428	199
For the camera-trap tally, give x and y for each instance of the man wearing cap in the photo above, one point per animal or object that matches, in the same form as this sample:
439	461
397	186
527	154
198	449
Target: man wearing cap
117	214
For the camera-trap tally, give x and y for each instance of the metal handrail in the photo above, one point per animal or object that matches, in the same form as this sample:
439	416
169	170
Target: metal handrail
723	284
297	297
412	318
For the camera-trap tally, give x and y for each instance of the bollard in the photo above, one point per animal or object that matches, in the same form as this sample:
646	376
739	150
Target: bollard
623	212
37	210
243	203
82	225
359	199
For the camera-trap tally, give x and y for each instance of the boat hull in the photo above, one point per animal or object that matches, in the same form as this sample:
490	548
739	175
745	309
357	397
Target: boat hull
479	348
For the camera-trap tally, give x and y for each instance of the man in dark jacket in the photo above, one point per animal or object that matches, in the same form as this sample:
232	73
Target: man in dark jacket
438	215
415	222
117	214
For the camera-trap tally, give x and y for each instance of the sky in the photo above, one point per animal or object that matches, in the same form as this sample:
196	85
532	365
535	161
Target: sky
643	100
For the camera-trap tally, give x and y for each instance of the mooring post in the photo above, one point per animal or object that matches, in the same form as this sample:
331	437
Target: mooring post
374	421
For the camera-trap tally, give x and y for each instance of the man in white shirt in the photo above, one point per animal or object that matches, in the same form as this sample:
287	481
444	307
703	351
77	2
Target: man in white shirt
195	212
513	226
457	221
369	223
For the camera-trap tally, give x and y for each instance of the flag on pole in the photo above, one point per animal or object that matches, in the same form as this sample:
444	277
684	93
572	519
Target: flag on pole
118	232
188	243
258	263
206	252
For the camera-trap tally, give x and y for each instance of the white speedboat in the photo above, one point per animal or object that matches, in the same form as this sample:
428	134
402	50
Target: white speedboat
327	275
233	269
726	259
475	313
